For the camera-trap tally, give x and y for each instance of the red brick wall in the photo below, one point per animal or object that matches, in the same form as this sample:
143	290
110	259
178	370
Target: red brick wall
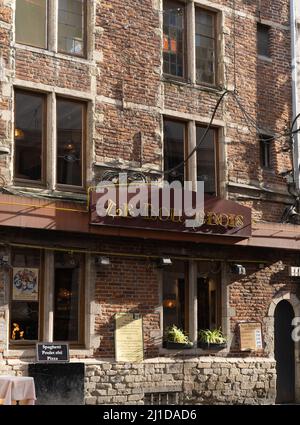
127	286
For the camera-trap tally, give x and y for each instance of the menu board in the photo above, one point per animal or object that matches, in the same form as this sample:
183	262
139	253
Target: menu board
129	342
251	336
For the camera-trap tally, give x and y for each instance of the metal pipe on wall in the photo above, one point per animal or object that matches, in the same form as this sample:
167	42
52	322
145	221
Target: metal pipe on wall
295	100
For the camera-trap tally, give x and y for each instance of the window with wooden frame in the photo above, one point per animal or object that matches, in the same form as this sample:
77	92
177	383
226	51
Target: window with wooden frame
70	120
173	38
175	148
71	27
25	296
61	24
68	309
208	300
206	46
29	137
31	22
30	154
175	296
207	159
28	313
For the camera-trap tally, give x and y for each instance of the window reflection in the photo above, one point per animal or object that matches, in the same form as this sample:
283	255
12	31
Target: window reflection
69	142
71	19
29	123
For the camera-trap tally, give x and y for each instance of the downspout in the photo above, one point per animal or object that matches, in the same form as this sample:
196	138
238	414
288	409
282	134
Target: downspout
296	146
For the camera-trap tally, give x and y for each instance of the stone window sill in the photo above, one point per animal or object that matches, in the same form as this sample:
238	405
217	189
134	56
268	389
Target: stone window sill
265	58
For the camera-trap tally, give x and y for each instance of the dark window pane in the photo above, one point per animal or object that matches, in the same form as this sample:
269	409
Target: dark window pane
71	26
263	33
69	142
206	160
67	287
174	136
31	22
265	151
174	287
173	37
205	46
29	124
25	290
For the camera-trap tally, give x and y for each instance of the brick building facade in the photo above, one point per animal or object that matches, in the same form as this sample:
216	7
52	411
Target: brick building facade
131	87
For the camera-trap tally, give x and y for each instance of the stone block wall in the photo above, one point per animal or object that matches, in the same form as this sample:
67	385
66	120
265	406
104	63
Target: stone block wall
203	380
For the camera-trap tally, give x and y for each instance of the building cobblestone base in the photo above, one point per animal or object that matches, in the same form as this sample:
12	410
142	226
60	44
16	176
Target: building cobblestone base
196	381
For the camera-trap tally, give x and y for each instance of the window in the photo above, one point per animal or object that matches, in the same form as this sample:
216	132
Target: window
162	398
70	132
25	296
206	159
265	151
30	161
31	22
173	38
67	298
71	26
263	40
37	21
174	149
205	285
175	296
28	313
207	298
205	46
29	136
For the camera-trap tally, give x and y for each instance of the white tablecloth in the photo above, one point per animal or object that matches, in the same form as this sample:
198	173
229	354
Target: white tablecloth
17	388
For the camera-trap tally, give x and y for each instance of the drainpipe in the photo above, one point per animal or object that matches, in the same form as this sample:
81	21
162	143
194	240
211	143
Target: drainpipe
295	99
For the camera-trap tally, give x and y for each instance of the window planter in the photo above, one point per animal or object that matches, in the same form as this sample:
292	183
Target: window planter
212	346
170	345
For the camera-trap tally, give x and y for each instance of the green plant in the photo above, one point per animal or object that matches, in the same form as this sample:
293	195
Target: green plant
213	336
174	334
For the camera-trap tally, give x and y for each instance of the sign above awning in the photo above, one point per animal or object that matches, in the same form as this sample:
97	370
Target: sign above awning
220	217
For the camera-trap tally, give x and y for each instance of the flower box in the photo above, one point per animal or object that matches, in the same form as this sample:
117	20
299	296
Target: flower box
170	345
212	346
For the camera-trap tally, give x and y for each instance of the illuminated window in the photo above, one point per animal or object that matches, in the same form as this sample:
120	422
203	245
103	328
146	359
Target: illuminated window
25	296
173	38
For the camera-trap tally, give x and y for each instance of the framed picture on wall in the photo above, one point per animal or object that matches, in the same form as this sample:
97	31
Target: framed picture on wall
25	284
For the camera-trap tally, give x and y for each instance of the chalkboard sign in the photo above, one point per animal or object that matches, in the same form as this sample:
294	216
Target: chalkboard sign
51	352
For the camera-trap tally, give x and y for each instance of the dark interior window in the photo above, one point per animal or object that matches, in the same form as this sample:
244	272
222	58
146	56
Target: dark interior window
25	294
265	151
29	135
206	160
70	116
175	285
173	38
205	46
31	22
263	40
71	26
208	298
67	289
174	146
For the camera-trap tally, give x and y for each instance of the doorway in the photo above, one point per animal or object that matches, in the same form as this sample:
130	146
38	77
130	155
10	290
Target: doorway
284	349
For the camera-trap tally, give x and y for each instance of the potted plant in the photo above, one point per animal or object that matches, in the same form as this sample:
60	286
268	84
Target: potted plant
175	338
211	339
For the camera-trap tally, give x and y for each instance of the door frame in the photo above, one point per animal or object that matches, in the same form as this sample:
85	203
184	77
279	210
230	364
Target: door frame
270	324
